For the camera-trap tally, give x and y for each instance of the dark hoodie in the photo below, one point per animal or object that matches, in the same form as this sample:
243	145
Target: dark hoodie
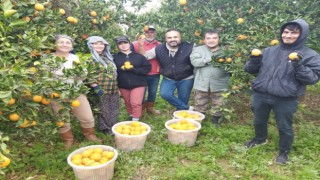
276	76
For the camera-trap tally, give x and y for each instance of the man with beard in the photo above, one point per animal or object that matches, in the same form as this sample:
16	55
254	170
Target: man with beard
176	68
209	81
153	76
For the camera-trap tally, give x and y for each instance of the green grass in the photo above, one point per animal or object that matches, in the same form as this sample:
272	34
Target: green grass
217	154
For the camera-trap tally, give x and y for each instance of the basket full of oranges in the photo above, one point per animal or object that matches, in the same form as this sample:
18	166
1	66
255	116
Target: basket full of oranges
130	135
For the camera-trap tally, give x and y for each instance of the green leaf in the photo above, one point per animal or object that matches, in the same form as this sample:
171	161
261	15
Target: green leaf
18	23
5	94
7	5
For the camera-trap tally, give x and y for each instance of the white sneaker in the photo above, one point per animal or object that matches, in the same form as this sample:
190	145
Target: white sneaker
191	108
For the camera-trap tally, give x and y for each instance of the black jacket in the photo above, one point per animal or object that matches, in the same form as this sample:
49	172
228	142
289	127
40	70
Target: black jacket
177	67
277	76
136	77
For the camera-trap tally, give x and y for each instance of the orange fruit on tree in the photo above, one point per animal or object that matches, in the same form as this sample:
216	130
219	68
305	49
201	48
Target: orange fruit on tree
93	13
200	21
255	52
94	21
274	42
5	161
45	101
75	103
24	124
220	60
38	7
36	13
11	101
240	20
242	37
71	19
229	60
62	11
37	98
54	95
14	117
33	123
59	123
145	28
182	2
26	18
197	33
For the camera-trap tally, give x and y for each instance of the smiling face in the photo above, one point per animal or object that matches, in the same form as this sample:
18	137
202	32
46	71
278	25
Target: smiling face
98	46
173	39
212	40
124	46
290	36
63	45
150	35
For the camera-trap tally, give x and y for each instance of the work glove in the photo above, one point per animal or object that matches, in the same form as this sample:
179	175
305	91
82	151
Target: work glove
256	59
97	90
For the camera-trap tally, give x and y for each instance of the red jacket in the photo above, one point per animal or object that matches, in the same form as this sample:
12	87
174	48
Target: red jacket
155	67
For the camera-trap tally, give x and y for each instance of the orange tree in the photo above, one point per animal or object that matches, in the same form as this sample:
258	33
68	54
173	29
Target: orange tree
244	25
27	30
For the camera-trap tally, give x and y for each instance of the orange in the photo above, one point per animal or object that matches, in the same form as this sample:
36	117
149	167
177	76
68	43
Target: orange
54	95
220	60
75	103
60	123
14	117
37	98
242	37
142	36
240	20
109	154
62	11
38	7
293	56
24	124
93	13
183	2
95	156
26	18
229	60
145	28
255	52
71	19
45	101
5	161
33	123
94	21
200	21
274	42
11	101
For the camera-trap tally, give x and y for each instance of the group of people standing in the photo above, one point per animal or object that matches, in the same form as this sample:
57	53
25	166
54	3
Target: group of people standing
136	69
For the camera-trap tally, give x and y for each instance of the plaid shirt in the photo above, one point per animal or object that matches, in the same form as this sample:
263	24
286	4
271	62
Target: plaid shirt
107	79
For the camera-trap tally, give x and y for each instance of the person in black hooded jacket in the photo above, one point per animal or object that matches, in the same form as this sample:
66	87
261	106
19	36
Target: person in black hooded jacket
279	82
132	69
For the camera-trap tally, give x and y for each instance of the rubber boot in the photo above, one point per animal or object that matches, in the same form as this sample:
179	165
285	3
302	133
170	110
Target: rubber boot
90	135
216	120
67	137
150	109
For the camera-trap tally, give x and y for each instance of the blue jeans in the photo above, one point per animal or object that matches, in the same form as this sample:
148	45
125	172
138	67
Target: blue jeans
153	82
283	109
184	87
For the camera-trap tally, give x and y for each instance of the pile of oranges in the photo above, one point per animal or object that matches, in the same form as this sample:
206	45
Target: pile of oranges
188	115
134	128
92	157
183	124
